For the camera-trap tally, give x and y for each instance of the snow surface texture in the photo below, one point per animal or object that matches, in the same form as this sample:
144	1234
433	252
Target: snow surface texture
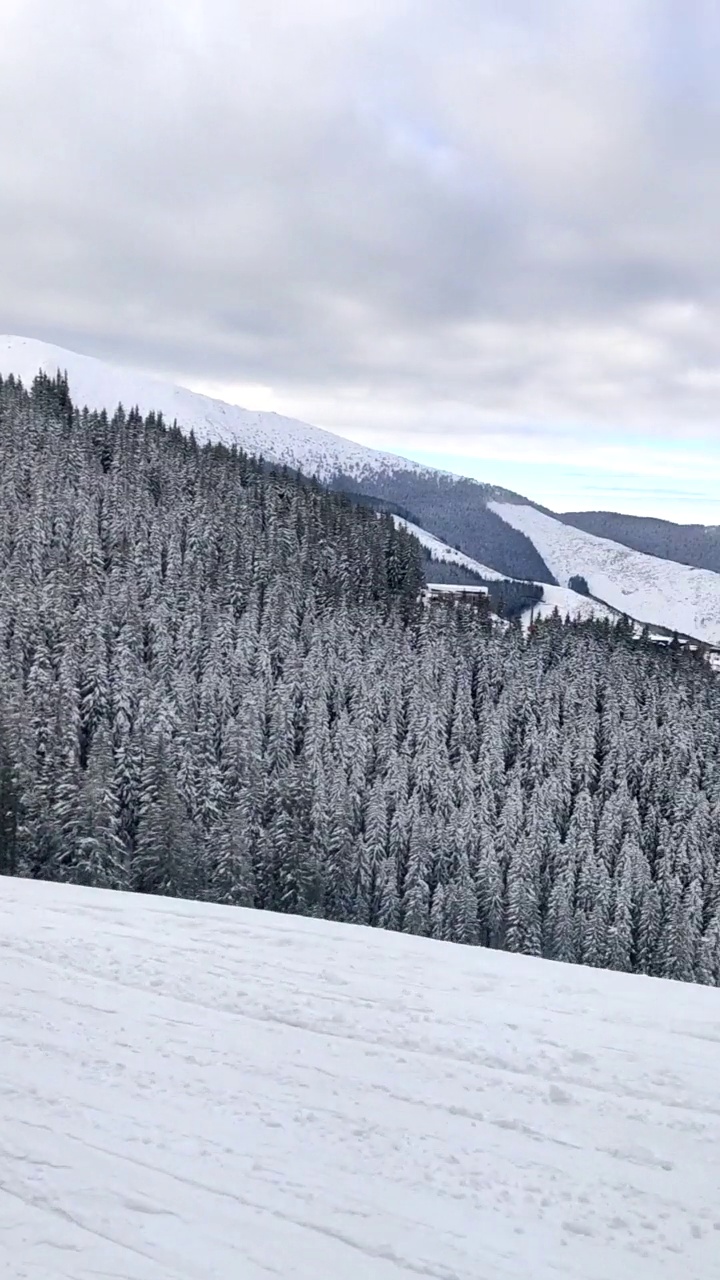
660	592
193	1092
285	440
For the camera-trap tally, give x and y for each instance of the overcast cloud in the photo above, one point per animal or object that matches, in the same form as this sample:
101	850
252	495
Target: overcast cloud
470	230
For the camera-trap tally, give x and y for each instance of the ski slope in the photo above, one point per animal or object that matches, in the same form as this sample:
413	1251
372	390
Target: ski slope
660	592
193	1092
285	440
568	603
571	604
440	550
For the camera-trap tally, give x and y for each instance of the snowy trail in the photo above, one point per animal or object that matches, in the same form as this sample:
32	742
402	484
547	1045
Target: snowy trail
197	1092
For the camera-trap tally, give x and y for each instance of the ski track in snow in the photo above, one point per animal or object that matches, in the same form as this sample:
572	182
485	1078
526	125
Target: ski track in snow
204	1093
660	592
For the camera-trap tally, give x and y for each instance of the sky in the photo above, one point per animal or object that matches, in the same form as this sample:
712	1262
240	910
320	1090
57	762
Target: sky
481	234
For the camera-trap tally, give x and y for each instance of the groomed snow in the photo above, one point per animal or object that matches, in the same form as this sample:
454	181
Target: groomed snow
660	592
286	440
199	1093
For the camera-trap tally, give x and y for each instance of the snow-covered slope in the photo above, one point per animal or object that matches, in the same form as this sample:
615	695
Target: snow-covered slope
286	440
567	602
193	1092
571	604
440	550
661	592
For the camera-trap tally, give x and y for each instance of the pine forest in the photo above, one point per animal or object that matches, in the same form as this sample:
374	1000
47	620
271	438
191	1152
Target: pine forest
218	681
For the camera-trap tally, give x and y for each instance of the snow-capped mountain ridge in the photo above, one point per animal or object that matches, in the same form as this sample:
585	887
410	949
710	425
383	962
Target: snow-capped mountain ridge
297	444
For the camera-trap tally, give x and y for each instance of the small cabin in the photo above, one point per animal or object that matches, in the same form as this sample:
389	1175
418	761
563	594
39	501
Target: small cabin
450	594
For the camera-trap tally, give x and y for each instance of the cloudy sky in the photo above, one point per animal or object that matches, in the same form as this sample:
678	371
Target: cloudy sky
484	233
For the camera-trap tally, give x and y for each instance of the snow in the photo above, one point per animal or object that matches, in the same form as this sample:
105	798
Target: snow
440	550
659	592
562	598
285	440
571	603
193	1092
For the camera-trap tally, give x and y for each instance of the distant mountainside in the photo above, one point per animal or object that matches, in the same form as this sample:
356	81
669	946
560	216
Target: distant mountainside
659	592
501	530
695	544
458	511
454	508
442	557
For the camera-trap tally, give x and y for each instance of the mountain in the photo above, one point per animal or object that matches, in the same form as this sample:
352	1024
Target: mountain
661	592
284	440
453	507
499	530
198	1091
217	682
695	544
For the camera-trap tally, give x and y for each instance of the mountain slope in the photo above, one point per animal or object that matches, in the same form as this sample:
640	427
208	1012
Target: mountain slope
454	507
568	603
202	1093
280	439
213	685
695	544
494	527
440	551
659	592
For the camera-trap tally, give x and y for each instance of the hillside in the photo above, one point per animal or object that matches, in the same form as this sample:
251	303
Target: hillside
198	1093
568	603
217	682
494	527
695	544
441	553
454	508
659	592
286	440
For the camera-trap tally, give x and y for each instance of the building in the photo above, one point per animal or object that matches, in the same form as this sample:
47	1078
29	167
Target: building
449	594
